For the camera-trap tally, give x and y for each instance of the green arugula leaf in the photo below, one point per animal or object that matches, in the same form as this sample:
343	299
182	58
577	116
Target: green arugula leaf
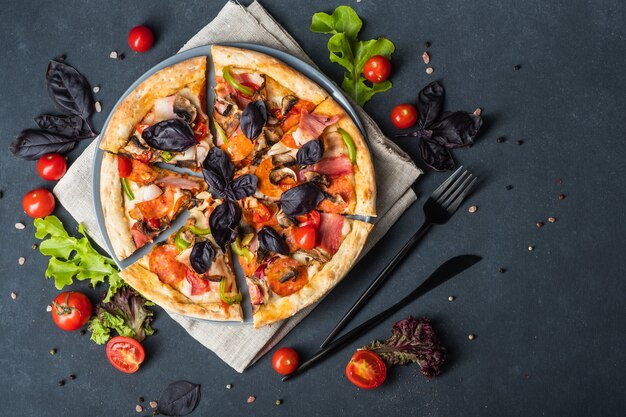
58	247
50	225
62	272
351	53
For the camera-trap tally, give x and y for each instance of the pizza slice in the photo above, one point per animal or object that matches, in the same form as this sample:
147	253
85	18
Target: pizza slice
140	200
189	274
291	262
250	87
164	119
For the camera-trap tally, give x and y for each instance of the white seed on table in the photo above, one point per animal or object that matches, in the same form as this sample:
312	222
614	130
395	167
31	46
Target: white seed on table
471	337
48	308
451	298
19	226
21	260
138	408
229	386
96	89
478	111
531	247
113	55
429	70
98	106
251	399
13	295
153	404
472	209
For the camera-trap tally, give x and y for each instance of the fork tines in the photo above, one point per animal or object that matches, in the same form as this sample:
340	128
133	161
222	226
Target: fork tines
453	191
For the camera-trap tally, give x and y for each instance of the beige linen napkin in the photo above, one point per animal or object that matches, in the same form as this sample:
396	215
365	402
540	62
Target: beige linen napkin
241	345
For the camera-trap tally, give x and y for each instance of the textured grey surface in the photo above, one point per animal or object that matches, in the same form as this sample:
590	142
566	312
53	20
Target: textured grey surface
550	332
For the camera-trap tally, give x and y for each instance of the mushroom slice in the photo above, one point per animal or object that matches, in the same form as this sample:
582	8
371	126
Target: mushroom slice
287	103
315	177
283	220
316	254
185	109
280	173
335	199
289	274
283	160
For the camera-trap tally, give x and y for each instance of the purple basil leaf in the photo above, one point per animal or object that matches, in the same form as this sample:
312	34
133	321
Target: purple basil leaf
429	104
436	155
201	257
310	152
301	199
69	89
458	129
179	399
32	144
172	135
71	126
253	119
224	221
244	186
271	241
218	171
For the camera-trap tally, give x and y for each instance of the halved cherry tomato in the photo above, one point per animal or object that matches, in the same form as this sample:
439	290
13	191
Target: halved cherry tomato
282	268
162	261
52	166
312	218
366	369
285	360
71	310
305	237
377	69
124	166
38	203
404	116
140	38
200	130
125	354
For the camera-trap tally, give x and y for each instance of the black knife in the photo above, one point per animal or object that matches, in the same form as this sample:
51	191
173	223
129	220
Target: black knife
447	270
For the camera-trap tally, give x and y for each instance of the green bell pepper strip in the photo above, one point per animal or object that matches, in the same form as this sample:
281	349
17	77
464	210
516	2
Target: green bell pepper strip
166	156
228	299
247	238
349	144
198	231
242	250
127	190
220	131
181	243
236	84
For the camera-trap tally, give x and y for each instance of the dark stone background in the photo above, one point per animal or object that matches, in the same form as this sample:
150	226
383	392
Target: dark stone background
549	332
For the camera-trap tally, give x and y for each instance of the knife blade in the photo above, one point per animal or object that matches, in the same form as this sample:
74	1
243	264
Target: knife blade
445	272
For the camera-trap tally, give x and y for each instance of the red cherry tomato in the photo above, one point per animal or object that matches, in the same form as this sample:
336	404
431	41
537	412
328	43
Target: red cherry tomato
71	310
312	218
52	166
285	361
377	69
404	116
38	203
366	369
304	237
140	38
125	354
124	166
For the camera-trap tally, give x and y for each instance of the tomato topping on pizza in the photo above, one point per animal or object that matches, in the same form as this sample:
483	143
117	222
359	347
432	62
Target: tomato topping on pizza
142	173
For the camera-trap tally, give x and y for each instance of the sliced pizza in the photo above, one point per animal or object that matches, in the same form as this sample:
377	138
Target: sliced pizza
291	262
139	200
164	119
190	274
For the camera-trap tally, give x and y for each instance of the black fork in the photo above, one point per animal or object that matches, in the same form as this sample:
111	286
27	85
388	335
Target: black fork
438	209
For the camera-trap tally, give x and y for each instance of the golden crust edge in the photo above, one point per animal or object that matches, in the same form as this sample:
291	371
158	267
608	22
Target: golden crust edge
322	282
148	284
138	102
293	80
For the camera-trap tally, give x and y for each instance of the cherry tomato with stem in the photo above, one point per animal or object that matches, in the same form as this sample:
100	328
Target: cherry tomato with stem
38	203
125	354
404	116
51	166
285	361
140	38
305	237
366	369
71	310
377	69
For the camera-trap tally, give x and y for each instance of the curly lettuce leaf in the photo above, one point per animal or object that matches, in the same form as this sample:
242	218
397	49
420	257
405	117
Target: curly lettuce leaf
126	313
351	53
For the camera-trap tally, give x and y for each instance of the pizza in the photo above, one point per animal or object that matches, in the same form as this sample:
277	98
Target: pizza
284	173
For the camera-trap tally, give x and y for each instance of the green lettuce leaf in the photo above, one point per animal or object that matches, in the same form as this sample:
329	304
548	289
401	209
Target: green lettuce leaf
351	53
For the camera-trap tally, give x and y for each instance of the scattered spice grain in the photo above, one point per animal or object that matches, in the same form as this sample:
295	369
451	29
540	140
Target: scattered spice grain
472	209
20	226
552	219
429	70
251	399
426	58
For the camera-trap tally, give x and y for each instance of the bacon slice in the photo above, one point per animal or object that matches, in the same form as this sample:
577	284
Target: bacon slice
256	297
329	233
198	284
139	237
179	182
311	126
335	166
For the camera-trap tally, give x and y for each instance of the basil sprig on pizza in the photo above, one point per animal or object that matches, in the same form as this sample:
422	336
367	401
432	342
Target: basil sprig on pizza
285	167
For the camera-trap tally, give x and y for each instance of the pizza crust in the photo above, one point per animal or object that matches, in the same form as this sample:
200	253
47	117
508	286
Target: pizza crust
148	284
302	87
112	198
320	283
364	180
134	107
